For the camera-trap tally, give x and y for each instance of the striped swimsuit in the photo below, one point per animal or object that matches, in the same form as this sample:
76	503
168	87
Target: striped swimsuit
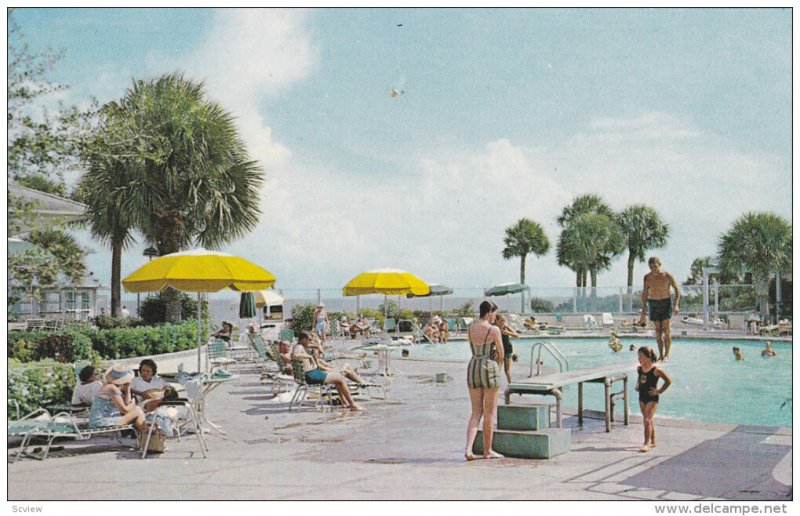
483	372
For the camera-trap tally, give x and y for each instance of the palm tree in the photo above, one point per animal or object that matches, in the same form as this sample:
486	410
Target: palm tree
571	253
524	238
107	189
601	239
183	168
578	251
643	230
760	243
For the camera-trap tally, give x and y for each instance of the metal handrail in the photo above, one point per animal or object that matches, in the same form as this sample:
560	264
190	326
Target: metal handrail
556	353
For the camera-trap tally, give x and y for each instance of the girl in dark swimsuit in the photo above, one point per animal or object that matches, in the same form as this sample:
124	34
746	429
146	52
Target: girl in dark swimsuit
647	387
506	332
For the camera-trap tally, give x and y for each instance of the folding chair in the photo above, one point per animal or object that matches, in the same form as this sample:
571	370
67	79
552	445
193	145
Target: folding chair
282	380
300	394
187	420
218	354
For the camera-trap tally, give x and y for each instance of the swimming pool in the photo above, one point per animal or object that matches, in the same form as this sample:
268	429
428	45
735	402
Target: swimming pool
708	384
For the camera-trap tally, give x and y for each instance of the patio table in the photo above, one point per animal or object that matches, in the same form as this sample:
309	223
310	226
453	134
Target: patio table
210	384
383	351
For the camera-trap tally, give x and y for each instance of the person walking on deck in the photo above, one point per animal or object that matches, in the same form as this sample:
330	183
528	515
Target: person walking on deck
656	299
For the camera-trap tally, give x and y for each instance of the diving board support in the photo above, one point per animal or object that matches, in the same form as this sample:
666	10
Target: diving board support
551	385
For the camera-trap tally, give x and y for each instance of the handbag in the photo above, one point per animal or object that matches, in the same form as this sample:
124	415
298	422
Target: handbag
158	441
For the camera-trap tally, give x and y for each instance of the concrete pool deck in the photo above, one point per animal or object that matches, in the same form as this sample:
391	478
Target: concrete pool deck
410	447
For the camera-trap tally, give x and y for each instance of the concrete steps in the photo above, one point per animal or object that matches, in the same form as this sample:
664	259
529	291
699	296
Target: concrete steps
523	431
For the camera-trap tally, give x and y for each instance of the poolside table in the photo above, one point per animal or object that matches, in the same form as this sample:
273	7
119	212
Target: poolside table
383	352
210	384
552	385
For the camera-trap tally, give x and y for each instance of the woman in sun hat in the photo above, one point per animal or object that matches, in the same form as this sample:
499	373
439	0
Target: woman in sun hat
112	404
320	322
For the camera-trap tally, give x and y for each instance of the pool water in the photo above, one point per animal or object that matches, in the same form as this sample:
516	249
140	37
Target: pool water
708	384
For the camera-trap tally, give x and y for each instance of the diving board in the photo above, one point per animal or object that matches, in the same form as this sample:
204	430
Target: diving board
553	384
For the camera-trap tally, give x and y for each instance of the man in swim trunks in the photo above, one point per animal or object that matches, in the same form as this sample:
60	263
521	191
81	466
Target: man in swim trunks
658	303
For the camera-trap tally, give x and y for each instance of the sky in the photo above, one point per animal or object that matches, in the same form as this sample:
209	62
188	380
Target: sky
499	114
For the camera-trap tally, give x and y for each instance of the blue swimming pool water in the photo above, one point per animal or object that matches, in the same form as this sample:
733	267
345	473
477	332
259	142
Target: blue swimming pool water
708	384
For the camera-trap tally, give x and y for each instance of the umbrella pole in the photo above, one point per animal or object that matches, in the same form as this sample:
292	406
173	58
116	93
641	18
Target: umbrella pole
199	331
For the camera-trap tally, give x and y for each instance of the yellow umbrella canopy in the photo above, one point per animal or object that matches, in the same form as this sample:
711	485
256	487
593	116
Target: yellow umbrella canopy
199	270
385	281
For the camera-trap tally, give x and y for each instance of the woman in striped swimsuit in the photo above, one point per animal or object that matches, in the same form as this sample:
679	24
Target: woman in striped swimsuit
483	376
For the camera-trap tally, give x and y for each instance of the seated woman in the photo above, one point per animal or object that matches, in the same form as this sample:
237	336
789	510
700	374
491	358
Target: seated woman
316	376
147	379
87	386
361	326
348	372
444	331
225	332
431	331
112	405
285	351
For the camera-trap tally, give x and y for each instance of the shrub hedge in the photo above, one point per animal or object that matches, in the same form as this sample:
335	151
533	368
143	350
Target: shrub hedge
40	364
36	384
80	342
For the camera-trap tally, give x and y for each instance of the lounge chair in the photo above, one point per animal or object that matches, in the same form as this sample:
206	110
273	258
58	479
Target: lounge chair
300	394
389	324
282	379
287	335
264	357
61	425
341	329
608	320
22	427
218	354
187	419
628	327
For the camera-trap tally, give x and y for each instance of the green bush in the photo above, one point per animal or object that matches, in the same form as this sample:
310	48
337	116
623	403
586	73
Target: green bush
37	384
39	372
57	347
81	342
540	305
147	340
301	317
154	309
104	322
22	349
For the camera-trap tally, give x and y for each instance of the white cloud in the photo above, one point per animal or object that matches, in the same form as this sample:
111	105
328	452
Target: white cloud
444	216
444	220
252	53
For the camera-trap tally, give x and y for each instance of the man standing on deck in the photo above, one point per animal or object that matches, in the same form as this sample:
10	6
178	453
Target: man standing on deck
656	299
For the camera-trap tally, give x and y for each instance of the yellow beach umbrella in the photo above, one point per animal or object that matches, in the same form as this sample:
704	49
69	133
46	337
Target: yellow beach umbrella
387	282
199	270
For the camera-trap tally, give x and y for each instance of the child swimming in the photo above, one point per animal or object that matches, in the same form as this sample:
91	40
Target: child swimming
647	387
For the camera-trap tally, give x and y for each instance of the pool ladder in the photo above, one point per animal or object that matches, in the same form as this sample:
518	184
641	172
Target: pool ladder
563	363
